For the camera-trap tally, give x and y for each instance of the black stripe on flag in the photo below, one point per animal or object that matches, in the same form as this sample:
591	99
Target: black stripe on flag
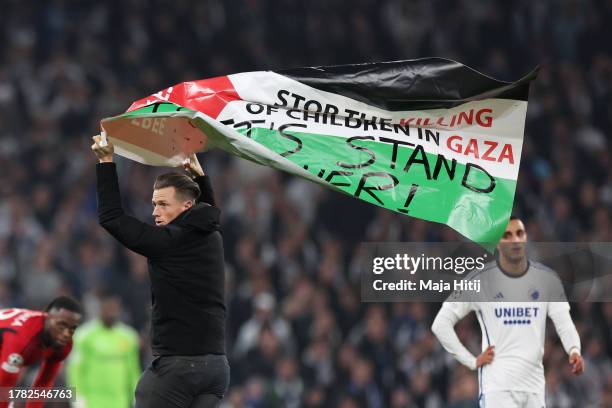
427	83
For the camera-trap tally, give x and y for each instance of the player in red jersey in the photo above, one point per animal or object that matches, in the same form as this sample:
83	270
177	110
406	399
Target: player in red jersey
28	337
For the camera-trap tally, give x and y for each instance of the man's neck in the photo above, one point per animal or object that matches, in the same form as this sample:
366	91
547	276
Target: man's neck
518	268
46	339
107	324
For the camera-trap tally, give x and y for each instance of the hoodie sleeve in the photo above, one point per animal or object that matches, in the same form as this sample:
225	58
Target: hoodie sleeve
207	195
136	235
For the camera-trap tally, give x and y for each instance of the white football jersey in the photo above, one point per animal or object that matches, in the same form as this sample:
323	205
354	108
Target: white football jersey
512	314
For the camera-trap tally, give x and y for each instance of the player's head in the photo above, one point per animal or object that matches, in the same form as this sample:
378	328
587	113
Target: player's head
512	243
110	308
63	316
173	193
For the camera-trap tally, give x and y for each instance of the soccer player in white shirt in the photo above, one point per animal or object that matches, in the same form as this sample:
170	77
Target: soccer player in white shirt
510	370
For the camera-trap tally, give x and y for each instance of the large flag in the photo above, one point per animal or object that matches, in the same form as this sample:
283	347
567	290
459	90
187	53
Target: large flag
430	138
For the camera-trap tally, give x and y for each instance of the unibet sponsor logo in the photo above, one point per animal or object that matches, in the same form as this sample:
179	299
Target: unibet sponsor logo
516	312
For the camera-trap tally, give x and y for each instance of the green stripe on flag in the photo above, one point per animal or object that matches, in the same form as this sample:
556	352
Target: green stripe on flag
480	216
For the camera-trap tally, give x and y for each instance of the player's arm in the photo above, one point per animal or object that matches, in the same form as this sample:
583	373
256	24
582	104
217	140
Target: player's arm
559	312
443	328
47	372
194	169
7	381
11	356
50	366
136	235
46	377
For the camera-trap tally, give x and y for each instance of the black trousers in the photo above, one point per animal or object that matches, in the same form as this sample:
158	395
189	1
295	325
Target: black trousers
183	382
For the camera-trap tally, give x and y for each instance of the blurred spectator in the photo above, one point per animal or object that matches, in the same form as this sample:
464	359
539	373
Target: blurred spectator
287	385
377	345
264	314
42	281
463	388
362	385
318	363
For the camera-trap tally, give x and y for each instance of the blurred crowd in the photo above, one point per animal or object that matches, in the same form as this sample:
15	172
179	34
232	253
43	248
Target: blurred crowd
298	334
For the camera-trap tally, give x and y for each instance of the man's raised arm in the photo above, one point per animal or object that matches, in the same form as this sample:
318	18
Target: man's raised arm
136	235
195	171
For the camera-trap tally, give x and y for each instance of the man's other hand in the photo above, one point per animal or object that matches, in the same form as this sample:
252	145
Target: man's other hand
104	153
192	167
486	357
577	363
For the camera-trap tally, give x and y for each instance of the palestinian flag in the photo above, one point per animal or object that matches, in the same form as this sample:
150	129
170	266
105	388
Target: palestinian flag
430	138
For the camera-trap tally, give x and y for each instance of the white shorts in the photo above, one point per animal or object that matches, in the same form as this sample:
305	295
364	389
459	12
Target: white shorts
511	399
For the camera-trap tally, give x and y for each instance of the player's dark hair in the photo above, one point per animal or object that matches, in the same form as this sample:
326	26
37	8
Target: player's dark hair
185	187
65	302
514	217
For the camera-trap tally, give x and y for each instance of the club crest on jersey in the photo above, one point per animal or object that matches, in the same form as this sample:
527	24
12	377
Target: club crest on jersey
534	294
13	363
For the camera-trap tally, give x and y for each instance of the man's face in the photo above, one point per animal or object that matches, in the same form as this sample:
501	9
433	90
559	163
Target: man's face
167	206
60	326
512	244
110	310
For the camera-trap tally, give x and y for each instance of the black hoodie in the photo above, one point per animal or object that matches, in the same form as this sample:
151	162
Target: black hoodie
186	268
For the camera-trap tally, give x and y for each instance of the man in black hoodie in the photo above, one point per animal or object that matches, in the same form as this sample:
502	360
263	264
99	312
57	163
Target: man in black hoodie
186	267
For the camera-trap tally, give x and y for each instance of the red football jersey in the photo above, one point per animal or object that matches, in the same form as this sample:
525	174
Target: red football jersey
21	345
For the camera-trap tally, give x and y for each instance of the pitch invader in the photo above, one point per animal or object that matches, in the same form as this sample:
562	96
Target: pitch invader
516	298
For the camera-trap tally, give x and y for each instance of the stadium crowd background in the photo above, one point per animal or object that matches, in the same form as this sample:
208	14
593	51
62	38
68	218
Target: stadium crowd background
298	333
